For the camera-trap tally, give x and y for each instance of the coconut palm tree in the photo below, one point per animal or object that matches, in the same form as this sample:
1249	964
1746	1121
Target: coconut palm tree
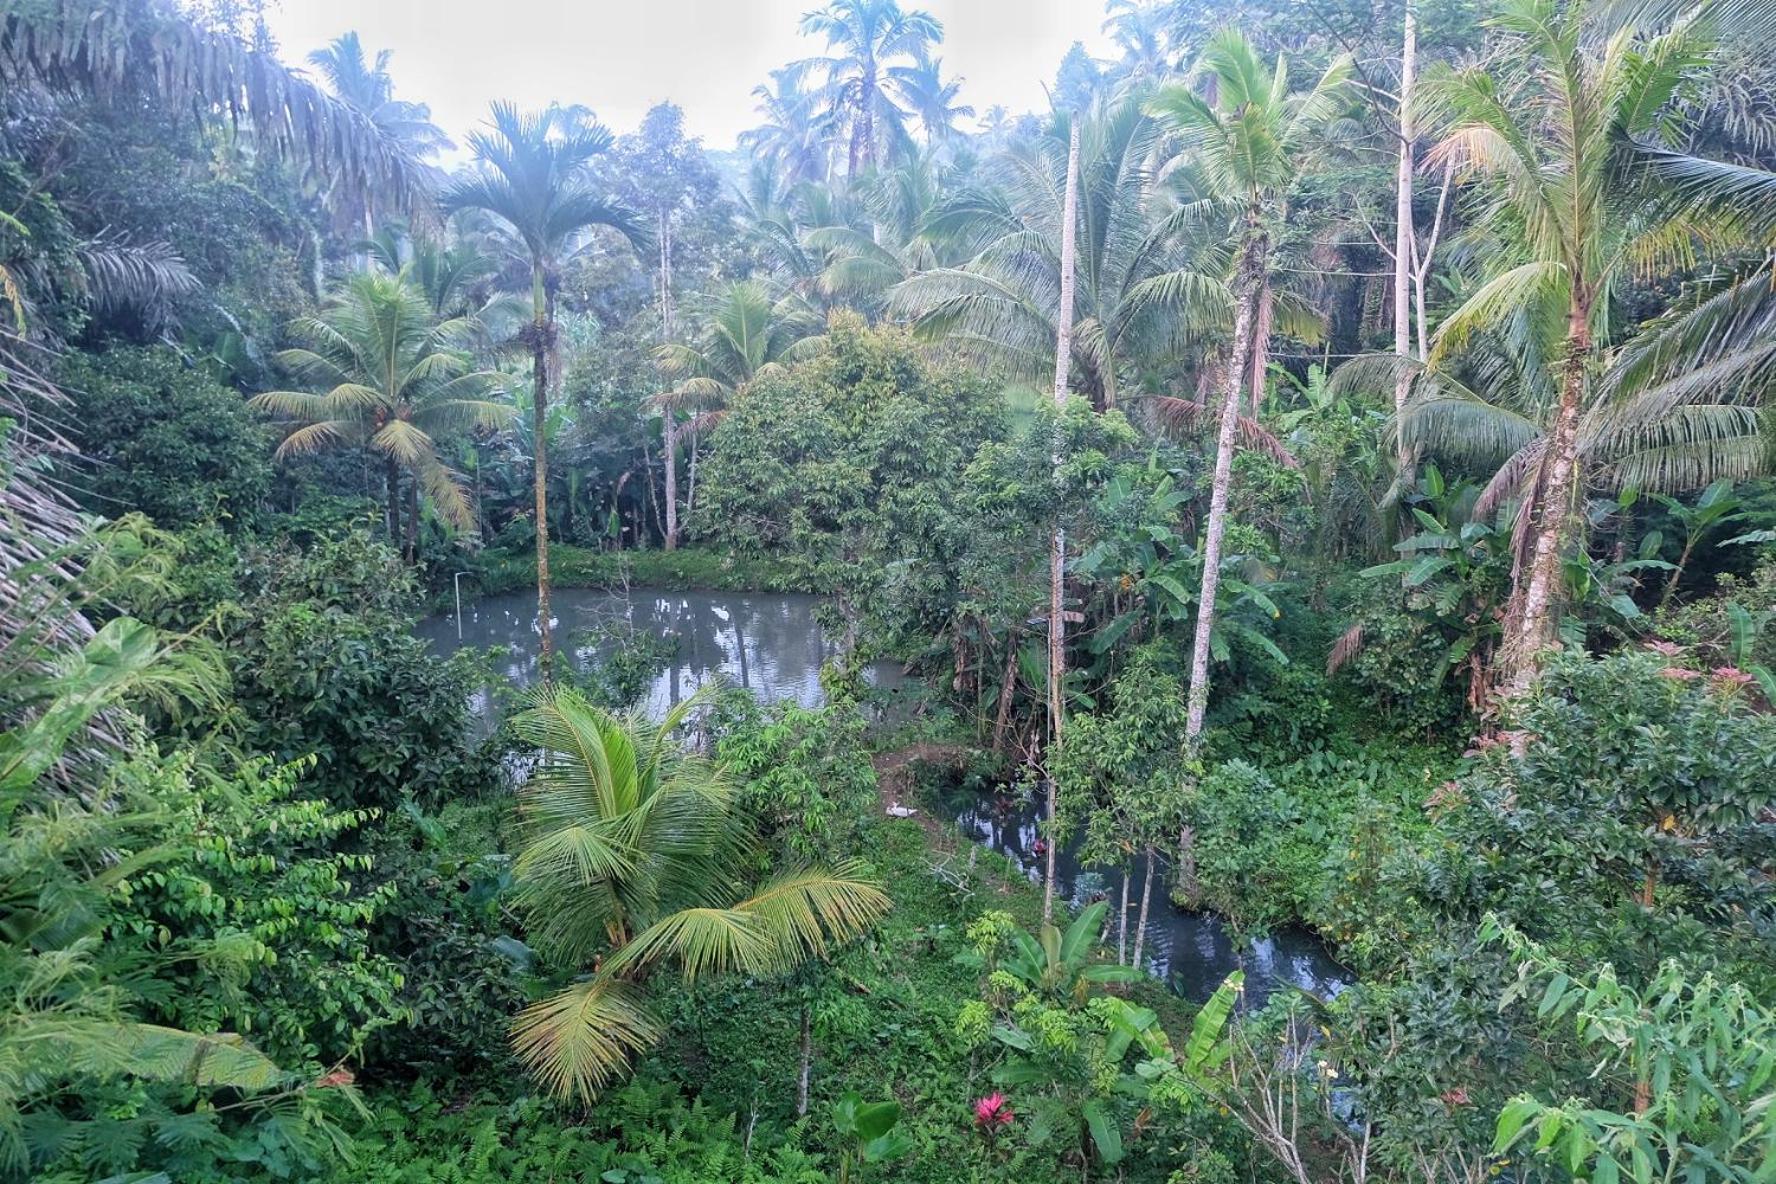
367	86
1582	186
870	38
635	856
535	182
1145	286
922	90
1675	408
797	129
1140	29
744	332
394	379
1249	139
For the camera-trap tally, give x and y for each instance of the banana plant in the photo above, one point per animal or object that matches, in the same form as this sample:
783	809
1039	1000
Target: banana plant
866	1131
1059	965
1717	507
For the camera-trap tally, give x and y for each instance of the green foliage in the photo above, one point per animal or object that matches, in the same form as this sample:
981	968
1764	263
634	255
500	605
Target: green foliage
799	772
633	857
640	1133
688	568
164	438
325	666
1121	774
1620	820
845	467
142	893
866	1129
263	928
1700	1056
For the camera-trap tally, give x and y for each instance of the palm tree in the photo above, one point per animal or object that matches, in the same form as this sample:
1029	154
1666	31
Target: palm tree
395	379
743	333
922	90
869	35
1139	28
1583	186
1673	409
1248	143
880	238
1145	286
365	86
535	182
796	132
635	856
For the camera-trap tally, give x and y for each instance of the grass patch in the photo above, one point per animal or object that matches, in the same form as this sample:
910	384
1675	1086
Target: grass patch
688	569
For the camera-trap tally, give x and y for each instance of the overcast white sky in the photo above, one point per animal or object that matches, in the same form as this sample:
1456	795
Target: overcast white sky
620	57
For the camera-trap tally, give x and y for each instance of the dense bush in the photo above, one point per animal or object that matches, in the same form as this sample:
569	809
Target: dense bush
161	436
326	665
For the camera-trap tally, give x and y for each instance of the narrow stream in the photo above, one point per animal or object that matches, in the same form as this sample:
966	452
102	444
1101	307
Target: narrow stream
1191	952
773	646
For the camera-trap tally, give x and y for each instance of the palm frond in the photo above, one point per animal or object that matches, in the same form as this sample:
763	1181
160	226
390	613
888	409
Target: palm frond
578	1040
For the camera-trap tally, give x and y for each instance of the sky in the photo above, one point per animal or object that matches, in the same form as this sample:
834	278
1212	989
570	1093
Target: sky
620	57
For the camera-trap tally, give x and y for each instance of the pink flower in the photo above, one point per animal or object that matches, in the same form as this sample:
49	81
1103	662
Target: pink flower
1666	649
992	1113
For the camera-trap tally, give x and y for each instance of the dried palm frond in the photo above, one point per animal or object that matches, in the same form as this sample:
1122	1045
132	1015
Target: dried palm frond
149	49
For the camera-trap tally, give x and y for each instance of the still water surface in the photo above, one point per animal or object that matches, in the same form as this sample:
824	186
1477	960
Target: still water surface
773	646
769	644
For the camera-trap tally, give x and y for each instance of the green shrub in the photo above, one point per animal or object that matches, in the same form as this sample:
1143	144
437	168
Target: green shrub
162	436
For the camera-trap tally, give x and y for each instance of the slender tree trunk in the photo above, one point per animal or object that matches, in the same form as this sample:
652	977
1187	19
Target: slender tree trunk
412	519
392	477
1251	274
668	417
1007	686
1403	234
1552	502
1122	920
1146	900
543	327
691	464
669	433
807	1070
1057	560
1671	581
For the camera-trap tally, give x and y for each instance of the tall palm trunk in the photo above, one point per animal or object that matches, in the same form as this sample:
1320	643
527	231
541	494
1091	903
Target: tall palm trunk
1247	282
392	477
1057	559
1403	234
412	551
1552	501
542	326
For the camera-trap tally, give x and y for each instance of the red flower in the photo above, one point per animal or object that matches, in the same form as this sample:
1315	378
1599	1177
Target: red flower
992	1113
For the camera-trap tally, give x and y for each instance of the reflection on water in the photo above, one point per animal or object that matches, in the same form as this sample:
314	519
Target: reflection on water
1192	952
769	644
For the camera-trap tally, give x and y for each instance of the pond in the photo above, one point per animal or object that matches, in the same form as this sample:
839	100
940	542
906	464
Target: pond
773	646
769	644
1191	952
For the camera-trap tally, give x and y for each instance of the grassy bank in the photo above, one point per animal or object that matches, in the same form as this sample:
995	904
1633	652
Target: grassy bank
687	569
